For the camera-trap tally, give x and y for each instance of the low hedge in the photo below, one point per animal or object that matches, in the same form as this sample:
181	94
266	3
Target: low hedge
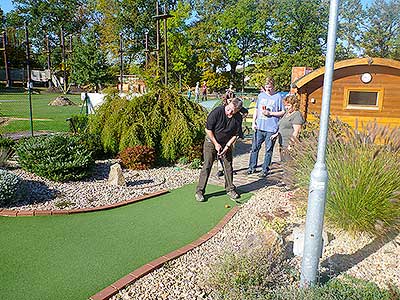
58	157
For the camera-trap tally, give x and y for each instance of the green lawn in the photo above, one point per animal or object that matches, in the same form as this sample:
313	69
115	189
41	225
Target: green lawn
45	117
75	256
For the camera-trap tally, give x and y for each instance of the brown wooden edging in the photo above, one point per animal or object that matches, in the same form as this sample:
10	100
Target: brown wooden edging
111	290
20	213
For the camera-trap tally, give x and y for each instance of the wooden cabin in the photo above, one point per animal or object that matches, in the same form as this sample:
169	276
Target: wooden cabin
365	89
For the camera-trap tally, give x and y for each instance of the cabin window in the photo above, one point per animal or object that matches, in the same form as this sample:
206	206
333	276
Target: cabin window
364	99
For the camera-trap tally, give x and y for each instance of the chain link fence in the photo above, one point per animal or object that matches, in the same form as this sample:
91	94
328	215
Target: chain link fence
49	112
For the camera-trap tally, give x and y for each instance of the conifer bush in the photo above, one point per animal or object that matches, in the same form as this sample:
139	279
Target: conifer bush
364	177
11	188
58	157
137	158
161	119
6	150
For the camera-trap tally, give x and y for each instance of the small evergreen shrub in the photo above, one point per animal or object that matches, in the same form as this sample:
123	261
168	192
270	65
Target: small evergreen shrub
78	123
137	158
11	188
93	144
6	142
6	150
183	160
195	152
195	164
364	177
58	157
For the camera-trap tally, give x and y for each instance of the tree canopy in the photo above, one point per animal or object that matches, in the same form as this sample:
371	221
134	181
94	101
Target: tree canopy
219	41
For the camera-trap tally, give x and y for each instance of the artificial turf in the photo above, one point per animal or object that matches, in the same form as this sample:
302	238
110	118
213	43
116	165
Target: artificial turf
75	256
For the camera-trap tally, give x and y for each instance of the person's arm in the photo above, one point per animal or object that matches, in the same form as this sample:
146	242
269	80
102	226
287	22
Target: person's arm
295	134
229	144
296	130
274	136
211	136
254	123
276	113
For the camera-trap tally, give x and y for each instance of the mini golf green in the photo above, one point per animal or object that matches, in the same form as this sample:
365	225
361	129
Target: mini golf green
76	256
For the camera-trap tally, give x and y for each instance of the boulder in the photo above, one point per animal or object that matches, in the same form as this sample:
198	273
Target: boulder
61	101
116	177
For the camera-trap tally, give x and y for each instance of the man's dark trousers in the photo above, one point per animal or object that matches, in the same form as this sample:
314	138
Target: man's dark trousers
210	154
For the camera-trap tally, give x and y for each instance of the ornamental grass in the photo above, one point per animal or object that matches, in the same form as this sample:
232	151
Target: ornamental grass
364	177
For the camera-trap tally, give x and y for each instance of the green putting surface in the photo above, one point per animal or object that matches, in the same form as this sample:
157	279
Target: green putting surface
76	256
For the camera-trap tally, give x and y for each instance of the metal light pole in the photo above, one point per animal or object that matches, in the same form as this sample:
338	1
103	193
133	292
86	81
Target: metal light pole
319	175
28	70
121	63
163	17
48	59
146	47
7	69
64	61
157	36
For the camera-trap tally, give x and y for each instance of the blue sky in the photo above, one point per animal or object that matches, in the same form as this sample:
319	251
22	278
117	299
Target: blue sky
6	5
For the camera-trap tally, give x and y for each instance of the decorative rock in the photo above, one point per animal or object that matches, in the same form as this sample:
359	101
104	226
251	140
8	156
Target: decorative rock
61	101
116	177
298	240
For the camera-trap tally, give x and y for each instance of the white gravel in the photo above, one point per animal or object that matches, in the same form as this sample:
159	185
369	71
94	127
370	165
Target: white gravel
95	191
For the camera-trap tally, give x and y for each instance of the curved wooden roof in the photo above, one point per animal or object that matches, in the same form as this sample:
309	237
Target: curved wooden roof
371	61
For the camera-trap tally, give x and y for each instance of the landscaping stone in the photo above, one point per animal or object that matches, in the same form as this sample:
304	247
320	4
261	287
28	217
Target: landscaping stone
116	177
61	101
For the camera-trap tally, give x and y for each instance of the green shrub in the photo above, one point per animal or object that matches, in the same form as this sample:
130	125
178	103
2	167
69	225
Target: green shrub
6	150
137	158
161	119
311	128
249	273
6	142
347	288
183	160
195	152
93	144
364	178
11	188
58	157
195	164
78	123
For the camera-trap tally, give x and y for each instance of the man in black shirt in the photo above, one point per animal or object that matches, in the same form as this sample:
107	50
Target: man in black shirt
222	129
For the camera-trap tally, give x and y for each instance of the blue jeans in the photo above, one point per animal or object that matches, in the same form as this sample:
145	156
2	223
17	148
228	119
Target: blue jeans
258	138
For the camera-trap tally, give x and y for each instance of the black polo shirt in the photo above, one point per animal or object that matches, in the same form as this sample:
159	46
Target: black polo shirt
224	128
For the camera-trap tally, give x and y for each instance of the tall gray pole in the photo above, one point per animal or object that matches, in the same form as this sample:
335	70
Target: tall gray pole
157	37
165	46
7	69
121	63
64	61
48	59
28	71
319	175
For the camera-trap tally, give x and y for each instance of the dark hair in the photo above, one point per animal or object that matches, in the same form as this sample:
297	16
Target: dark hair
237	103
